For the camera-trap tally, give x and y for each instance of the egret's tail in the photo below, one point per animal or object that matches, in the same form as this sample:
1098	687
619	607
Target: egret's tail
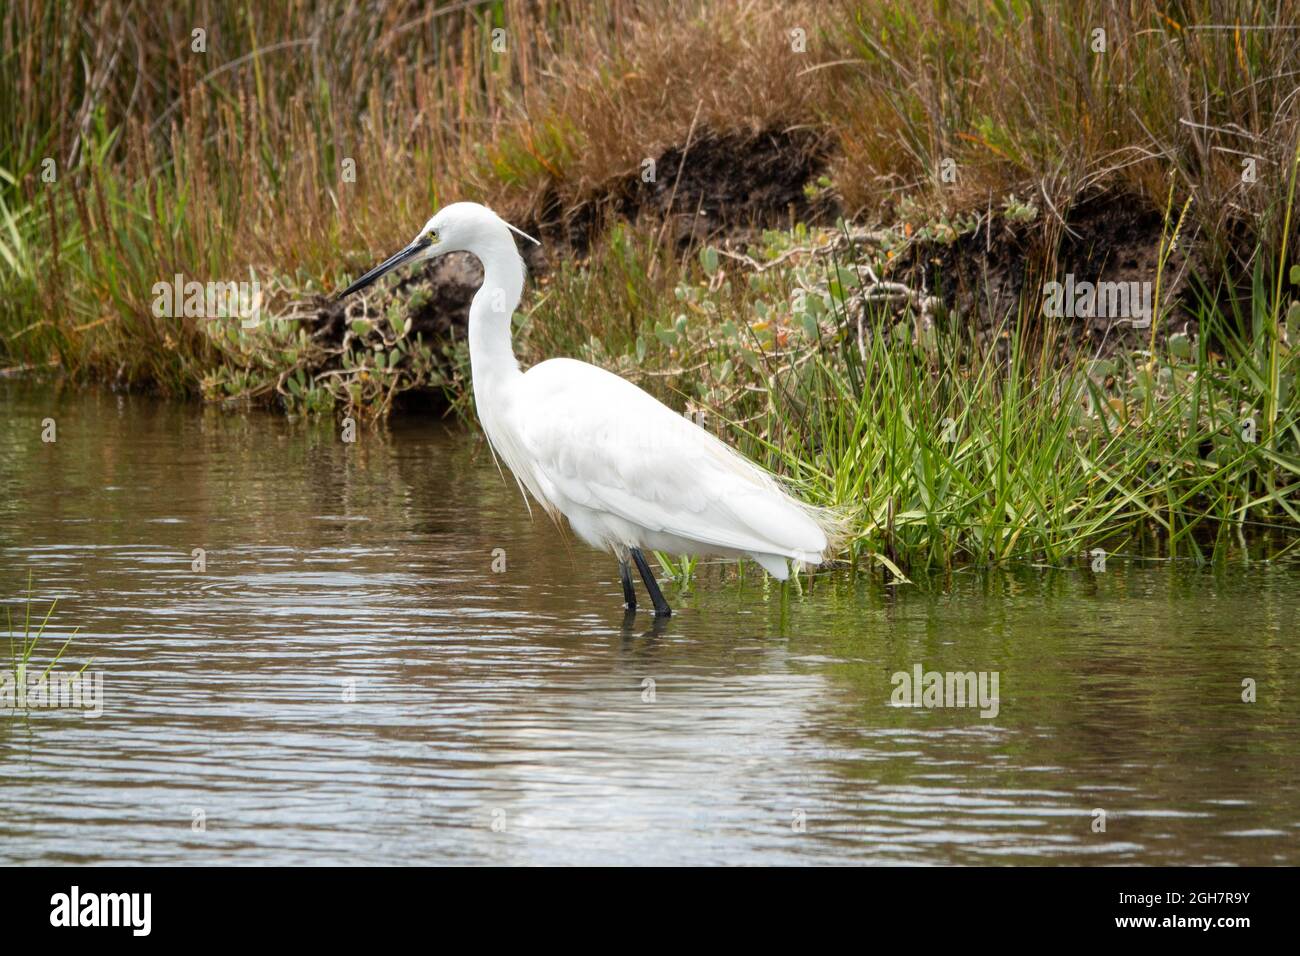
784	526
834	524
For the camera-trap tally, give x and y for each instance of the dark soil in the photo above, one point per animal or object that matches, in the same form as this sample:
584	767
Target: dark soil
730	185
990	272
717	185
451	282
720	185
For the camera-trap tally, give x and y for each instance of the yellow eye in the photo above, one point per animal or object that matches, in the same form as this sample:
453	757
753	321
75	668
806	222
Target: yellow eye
432	235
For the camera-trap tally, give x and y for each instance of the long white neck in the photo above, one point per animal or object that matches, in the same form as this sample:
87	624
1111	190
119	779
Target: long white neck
492	359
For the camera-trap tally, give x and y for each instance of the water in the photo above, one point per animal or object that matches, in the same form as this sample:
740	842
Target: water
507	717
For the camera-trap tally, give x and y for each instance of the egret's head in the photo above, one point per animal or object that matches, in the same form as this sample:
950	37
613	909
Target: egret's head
462	226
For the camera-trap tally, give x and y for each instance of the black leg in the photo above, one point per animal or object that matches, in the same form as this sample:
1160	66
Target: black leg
656	596
629	593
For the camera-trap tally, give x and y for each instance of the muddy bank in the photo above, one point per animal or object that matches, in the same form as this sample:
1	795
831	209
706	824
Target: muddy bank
717	186
989	274
724	188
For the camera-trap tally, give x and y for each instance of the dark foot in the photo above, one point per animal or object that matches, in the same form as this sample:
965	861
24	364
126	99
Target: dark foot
656	596
629	593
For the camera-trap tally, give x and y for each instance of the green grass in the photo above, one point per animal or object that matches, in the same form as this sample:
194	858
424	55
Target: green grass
22	643
945	444
948	444
951	455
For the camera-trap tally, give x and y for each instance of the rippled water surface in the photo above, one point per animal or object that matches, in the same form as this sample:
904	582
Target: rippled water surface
351	681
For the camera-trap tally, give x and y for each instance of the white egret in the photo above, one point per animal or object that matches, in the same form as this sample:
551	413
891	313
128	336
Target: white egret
628	472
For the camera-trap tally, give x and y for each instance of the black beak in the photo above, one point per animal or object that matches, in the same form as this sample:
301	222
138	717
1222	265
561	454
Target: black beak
387	266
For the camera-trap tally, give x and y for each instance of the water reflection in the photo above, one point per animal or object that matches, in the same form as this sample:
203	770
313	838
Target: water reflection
348	680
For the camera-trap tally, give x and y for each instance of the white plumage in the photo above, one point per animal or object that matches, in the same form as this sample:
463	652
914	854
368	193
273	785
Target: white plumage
628	471
624	469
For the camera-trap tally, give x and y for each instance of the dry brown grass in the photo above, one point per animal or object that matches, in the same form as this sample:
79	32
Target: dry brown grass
1022	102
217	163
678	66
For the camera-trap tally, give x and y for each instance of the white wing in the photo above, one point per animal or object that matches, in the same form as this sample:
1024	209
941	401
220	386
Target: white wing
592	439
